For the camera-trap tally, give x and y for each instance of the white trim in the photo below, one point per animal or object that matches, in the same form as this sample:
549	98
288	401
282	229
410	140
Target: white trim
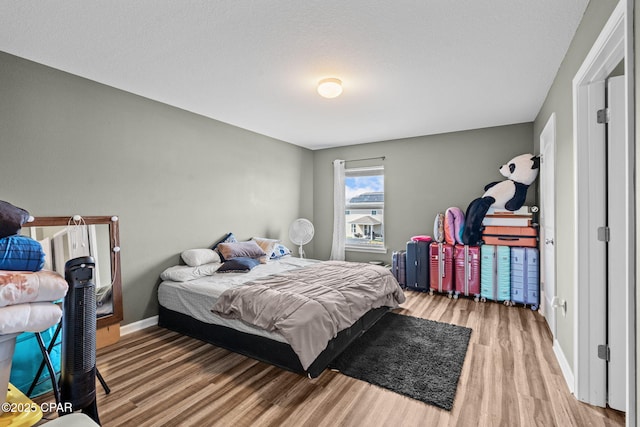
372	249
139	325
565	367
629	70
614	43
547	138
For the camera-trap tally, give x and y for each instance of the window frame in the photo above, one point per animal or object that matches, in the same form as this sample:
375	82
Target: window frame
368	171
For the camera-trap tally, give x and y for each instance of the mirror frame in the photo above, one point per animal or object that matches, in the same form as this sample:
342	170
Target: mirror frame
114	237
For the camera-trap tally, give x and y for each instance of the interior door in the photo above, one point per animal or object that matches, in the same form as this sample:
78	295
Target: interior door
547	221
616	263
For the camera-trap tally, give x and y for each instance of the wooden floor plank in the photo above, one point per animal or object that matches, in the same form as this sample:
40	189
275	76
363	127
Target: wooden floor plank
510	377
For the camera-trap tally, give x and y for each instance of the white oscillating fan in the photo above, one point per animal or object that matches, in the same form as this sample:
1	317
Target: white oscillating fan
300	233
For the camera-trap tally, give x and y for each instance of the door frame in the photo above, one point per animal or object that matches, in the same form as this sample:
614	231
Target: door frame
614	44
548	136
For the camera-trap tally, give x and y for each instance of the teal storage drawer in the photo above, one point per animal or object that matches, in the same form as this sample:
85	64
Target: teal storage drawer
27	359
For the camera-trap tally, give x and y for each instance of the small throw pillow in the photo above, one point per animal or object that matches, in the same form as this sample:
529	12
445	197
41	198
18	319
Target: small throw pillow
196	257
267	245
228	238
279	251
238	265
11	219
248	249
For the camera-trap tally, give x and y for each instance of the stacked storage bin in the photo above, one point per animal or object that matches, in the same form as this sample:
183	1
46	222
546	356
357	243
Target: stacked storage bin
514	236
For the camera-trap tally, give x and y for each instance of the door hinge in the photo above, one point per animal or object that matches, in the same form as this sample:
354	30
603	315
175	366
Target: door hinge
604	234
604	352
603	115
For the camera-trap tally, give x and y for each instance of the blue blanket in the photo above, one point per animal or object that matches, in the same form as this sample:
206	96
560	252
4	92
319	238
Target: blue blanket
21	253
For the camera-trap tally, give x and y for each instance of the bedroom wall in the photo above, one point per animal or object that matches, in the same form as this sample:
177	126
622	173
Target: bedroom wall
423	176
177	180
636	52
559	100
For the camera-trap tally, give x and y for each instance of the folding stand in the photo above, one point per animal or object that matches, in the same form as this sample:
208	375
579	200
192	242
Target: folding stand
46	361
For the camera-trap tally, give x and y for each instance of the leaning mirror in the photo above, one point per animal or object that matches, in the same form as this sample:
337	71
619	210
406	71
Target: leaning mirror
65	238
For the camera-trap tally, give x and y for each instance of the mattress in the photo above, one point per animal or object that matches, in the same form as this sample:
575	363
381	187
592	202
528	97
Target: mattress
195	298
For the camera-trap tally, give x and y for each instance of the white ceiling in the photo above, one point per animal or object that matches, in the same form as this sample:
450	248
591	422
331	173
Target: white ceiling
409	67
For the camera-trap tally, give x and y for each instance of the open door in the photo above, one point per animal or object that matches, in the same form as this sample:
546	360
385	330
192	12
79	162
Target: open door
616	263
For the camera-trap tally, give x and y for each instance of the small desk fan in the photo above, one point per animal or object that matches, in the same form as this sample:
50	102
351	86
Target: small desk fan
300	233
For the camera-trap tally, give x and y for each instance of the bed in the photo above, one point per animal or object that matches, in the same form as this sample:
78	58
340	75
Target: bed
220	309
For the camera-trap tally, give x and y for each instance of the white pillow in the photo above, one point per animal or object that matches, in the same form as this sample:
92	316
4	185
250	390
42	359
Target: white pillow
184	273
196	257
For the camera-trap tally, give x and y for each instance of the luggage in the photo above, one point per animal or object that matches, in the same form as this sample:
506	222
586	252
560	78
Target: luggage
510	236
466	260
495	273
398	266
417	266
525	286
441	268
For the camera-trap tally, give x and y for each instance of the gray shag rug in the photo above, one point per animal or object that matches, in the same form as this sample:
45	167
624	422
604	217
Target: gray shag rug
418	358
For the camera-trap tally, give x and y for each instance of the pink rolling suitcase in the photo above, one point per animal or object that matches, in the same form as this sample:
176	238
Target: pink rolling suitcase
441	268
466	260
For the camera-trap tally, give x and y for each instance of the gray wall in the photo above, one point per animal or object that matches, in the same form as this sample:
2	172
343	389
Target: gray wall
560	101
636	52
177	180
423	176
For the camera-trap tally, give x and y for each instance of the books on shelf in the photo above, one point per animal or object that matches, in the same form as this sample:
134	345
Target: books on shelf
524	210
503	217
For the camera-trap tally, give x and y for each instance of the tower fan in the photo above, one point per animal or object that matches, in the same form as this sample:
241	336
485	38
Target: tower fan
78	355
300	233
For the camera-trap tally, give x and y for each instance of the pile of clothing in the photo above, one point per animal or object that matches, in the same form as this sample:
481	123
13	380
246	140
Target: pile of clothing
27	293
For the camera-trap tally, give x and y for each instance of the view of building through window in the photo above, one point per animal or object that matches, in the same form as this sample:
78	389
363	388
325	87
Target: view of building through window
364	193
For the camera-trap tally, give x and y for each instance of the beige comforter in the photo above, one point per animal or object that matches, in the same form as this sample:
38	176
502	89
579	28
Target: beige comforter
19	287
311	305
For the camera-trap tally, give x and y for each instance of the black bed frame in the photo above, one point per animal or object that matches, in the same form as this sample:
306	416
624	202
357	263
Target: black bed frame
264	349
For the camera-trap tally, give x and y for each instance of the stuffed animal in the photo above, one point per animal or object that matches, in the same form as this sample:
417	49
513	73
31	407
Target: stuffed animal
509	194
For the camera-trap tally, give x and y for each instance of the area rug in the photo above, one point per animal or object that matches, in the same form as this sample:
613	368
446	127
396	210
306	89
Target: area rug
418	358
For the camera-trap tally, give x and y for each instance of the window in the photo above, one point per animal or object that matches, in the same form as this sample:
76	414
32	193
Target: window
364	193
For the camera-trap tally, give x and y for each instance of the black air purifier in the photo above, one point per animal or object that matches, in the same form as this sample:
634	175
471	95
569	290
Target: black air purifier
78	357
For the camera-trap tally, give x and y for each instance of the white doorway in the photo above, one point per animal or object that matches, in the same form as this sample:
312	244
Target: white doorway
594	231
547	222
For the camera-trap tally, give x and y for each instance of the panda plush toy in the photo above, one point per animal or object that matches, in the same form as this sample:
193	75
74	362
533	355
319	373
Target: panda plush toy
509	194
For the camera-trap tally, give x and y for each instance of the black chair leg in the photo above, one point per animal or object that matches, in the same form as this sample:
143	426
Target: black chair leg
43	363
106	388
47	360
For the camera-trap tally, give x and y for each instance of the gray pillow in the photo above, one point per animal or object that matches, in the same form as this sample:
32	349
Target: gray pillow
249	249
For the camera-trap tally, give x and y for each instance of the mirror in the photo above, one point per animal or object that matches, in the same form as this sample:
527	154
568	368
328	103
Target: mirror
65	238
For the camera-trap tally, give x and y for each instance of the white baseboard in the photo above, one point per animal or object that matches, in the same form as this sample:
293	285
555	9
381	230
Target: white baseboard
139	325
565	367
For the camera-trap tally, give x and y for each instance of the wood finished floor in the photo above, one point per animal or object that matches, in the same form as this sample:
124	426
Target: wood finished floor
510	378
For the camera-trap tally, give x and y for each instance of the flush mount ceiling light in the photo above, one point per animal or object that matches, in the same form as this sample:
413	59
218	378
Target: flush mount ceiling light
330	87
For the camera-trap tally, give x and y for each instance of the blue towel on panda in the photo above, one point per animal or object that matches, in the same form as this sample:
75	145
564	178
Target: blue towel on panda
21	253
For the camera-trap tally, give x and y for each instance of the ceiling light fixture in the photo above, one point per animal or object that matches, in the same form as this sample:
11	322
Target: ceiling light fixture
330	87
